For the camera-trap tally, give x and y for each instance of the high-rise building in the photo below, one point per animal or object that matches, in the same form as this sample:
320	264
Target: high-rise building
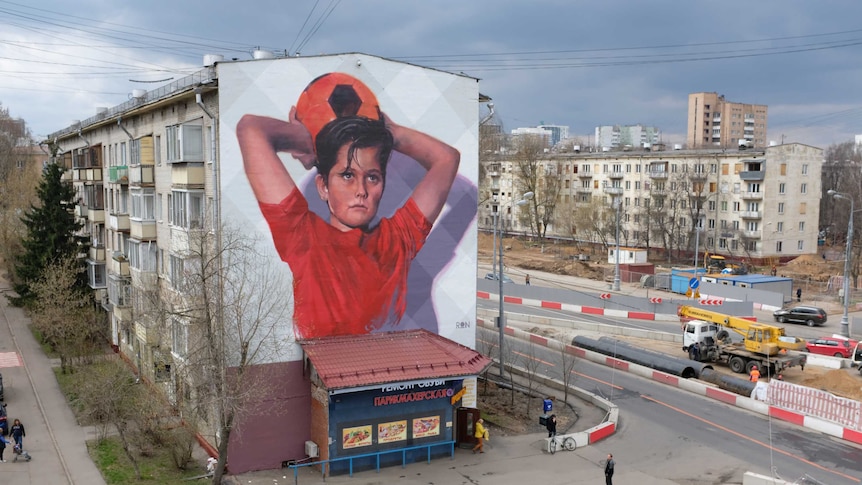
716	123
558	132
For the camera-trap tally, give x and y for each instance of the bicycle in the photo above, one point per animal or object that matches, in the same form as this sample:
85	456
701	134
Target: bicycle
555	442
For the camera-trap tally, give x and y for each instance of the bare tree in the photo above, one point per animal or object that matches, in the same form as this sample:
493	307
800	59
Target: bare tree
221	298
567	367
531	368
533	173
65	317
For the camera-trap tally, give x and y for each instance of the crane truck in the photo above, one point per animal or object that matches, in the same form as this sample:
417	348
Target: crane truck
706	339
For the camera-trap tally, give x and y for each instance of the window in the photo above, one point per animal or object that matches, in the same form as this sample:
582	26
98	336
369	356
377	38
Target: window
778	246
783	169
751	245
781	188
802	226
135	147
637	185
724	206
735	225
175	271
803	207
123	160
628	184
143	204
734	244
752	226
736	206
804	169
187	208
142	255
179	337
185	142
781	207
779	227
157	149
803	188
800	245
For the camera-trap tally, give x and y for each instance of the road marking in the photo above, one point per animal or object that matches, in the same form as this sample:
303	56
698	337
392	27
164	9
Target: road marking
619	388
10	359
748	438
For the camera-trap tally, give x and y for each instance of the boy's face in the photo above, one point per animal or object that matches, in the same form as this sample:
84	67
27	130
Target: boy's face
353	193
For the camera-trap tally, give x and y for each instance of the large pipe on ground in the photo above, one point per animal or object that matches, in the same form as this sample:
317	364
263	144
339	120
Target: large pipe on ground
654	360
734	384
696	365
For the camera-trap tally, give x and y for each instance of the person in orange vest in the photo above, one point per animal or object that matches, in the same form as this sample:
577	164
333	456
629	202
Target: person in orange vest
754	375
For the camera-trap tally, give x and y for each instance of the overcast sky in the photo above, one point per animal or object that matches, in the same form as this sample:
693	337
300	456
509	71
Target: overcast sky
567	62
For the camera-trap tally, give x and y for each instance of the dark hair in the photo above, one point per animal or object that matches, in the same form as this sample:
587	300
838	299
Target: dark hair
356	132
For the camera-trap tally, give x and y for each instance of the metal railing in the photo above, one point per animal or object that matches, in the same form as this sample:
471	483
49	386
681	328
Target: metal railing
324	464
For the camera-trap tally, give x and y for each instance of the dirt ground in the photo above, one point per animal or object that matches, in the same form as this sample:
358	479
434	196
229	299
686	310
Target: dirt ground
515	413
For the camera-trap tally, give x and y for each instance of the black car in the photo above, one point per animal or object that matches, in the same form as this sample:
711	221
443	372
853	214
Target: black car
809	315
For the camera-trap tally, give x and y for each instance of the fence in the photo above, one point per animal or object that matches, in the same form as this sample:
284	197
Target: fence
817	403
375	457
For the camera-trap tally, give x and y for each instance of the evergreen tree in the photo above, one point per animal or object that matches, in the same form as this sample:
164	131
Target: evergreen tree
51	235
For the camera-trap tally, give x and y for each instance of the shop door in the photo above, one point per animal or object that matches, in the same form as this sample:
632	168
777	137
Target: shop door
465	419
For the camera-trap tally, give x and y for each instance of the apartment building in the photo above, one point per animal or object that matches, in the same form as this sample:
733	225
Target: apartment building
753	204
714	122
629	137
166	166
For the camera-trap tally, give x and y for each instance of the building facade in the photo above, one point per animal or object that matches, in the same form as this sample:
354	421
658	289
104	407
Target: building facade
161	172
746	204
558	133
628	137
716	123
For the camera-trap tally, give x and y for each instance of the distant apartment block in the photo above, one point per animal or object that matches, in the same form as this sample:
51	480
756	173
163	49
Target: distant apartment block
716	123
613	137
558	133
755	204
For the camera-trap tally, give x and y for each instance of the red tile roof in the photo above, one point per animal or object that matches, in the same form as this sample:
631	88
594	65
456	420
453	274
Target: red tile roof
364	360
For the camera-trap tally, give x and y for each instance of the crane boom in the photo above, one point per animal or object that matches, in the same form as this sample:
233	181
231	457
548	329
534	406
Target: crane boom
758	337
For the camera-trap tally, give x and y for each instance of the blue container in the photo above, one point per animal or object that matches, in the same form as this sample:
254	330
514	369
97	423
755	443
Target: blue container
547	406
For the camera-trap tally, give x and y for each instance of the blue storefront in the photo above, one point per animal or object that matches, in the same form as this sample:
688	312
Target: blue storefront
395	403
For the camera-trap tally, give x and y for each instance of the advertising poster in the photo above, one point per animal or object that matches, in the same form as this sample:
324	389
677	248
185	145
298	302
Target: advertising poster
356	437
393	431
429	426
358	176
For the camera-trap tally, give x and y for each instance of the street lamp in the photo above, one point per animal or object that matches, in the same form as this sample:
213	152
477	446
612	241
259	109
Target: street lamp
500	319
616	193
845	318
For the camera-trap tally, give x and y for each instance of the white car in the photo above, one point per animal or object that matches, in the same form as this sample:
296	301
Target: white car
495	277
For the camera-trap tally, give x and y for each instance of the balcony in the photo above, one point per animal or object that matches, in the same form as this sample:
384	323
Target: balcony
119	265
752	175
613	190
616	175
584	190
750	214
141	175
585	175
92	174
751	234
657	174
150	335
96	215
697	176
658	192
752	195
118	222
118	175
80	211
187	174
96	254
142	230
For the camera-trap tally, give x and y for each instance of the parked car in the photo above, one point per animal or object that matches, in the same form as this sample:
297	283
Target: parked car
809	315
834	346
495	277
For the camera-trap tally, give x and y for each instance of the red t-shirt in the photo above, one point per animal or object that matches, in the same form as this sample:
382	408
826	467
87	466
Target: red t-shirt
345	283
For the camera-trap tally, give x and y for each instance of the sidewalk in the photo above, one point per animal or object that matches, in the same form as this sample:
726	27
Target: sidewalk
54	439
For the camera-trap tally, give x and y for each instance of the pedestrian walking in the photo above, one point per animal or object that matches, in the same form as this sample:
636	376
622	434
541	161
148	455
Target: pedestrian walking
3	443
18	433
527	280
754	375
551	424
481	434
609	470
798	294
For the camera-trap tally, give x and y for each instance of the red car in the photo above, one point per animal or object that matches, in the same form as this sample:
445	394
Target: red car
837	347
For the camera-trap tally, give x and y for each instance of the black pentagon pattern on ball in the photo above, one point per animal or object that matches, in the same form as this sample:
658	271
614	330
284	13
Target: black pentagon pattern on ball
344	101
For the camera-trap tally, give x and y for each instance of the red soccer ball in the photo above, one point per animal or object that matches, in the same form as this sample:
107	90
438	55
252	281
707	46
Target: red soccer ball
334	95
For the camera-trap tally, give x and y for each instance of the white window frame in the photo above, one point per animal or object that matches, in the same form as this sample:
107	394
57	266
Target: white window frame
143	204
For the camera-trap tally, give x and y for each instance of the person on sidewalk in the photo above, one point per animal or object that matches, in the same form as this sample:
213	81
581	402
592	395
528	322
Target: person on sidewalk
798	294
3	443
609	470
527	280
551	424
18	433
481	434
